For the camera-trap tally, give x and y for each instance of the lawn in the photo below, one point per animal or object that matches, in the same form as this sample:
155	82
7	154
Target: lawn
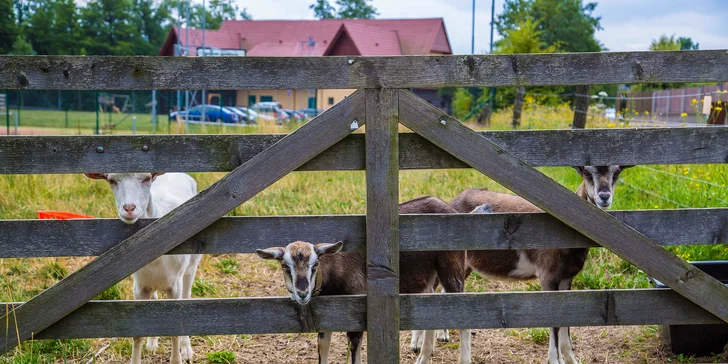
309	193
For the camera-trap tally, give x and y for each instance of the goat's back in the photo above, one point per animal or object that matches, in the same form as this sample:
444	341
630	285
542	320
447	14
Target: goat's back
471	198
345	272
171	190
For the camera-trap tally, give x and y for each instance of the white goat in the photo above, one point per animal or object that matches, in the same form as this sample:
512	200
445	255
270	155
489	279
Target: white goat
152	195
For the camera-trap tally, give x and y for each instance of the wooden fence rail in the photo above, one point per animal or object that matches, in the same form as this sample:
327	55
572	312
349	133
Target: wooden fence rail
211	153
233	73
234	316
229	235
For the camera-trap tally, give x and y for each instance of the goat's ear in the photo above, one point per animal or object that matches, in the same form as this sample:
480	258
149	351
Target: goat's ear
325	249
622	168
96	175
271	253
156	174
579	170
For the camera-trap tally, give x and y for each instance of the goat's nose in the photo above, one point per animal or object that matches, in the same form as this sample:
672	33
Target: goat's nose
604	196
129	207
302	295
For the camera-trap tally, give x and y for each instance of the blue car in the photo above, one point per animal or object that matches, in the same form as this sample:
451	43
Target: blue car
213	113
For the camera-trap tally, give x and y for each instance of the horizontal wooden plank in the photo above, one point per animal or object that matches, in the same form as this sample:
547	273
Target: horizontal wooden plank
210	153
230	73
55	238
235	316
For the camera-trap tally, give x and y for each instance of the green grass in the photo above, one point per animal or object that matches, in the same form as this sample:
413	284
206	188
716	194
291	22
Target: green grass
84	122
221	357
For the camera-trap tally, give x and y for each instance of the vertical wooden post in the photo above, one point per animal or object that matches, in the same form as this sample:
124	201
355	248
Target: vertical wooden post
581	107
382	173
518	106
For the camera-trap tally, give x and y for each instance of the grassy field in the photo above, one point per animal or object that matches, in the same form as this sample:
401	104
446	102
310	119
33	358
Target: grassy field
308	193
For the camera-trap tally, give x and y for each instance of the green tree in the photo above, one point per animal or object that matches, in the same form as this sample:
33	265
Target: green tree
21	47
323	10
39	27
152	20
567	24
7	26
686	44
525	38
109	29
66	27
665	43
356	9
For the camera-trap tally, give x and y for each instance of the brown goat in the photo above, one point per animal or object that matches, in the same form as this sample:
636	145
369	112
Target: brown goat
309	269
555	268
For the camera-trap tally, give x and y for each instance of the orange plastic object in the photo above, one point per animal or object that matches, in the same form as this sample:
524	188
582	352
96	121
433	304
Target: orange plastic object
61	215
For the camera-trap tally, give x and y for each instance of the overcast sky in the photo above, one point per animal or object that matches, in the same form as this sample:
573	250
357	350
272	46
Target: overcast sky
628	24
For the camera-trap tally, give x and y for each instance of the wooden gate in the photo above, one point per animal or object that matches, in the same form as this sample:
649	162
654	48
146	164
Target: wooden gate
439	141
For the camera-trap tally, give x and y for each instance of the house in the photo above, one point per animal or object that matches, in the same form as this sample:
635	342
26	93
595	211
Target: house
304	38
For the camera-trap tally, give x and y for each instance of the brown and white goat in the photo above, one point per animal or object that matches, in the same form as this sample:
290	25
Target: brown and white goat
555	268
310	269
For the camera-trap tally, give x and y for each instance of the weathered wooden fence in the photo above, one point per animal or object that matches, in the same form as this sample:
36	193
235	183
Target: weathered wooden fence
257	161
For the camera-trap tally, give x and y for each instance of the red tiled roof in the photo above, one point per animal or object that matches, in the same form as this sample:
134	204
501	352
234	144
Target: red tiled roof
371	37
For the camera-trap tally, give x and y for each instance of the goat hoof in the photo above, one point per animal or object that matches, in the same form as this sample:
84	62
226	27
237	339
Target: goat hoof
415	349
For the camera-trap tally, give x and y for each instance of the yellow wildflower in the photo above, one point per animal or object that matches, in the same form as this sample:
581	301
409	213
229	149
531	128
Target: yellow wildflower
695	101
657	207
647	112
708	178
684	115
694	176
718	108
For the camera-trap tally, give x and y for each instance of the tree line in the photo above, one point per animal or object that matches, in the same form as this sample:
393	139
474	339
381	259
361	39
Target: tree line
100	27
123	27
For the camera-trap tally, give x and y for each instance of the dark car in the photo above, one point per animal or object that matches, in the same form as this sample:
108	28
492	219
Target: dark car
212	113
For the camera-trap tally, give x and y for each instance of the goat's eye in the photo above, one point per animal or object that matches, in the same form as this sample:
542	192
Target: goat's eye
315	265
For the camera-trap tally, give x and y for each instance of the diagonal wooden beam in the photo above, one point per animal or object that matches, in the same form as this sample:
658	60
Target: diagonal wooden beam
542	191
182	223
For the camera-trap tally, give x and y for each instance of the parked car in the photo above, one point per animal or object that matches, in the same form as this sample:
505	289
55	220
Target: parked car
296	115
311	112
272	108
212	113
243	117
251	115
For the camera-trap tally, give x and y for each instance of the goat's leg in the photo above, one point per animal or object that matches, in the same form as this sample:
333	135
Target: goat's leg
452	278
324	343
153	341
140	293
550	283
416	342
565	349
355	339
443	336
427	347
188	281
175	292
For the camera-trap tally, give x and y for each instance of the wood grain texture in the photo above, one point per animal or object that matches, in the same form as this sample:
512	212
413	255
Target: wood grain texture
382	225
581	107
229	235
232	73
553	198
274	315
180	224
212	153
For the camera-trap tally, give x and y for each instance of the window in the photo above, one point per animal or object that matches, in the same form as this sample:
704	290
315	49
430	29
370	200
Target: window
266	98
331	100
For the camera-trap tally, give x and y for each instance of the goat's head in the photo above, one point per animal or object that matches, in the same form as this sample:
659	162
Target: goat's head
599	182
300	263
132	192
